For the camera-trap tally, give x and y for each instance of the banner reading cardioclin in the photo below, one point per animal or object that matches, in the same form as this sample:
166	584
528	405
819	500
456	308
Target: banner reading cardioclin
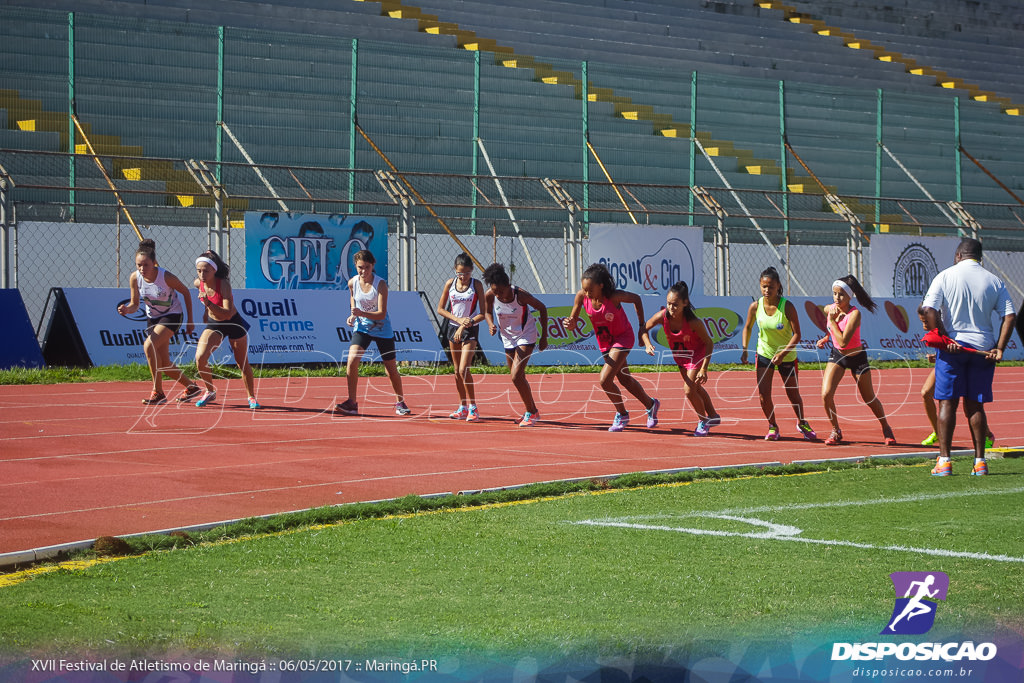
310	251
649	260
904	265
300	326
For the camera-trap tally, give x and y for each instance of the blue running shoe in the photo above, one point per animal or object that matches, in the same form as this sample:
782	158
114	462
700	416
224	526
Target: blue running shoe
652	414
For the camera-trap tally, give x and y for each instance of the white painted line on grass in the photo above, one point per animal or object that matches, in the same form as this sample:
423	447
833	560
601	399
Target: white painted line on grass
783	532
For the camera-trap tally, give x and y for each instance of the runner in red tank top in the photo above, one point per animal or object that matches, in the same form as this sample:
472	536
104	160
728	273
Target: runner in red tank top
691	350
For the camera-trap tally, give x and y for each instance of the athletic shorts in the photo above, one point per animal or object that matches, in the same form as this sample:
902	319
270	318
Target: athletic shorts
472	334
787	369
235	328
528	337
385	345
856	363
606	342
688	360
963	375
171	321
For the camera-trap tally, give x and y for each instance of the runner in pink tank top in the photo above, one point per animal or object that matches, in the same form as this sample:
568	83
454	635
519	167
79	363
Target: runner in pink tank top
843	322
615	337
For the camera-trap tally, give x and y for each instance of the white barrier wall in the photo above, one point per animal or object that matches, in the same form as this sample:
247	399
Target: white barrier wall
308	326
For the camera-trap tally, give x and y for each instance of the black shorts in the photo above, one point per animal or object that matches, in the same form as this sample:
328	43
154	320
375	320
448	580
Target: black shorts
787	369
235	328
472	334
856	363
171	321
385	345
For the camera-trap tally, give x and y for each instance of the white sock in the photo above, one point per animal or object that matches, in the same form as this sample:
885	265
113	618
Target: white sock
942	459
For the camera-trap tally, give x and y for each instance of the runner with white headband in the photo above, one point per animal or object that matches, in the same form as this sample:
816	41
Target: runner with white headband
843	326
222	321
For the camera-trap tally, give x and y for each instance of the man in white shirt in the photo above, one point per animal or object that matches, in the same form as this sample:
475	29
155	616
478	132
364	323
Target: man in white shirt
965	370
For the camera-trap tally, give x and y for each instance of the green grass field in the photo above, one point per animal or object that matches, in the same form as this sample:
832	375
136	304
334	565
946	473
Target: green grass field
644	571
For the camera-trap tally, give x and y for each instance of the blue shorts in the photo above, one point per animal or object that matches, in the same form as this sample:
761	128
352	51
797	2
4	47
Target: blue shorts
964	374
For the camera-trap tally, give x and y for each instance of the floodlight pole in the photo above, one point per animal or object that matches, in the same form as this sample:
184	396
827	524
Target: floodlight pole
204	177
572	238
6	185
854	246
512	217
966	218
406	228
254	167
750	216
722	265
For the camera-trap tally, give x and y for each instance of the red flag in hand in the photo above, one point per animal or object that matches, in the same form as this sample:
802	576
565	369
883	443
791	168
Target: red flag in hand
940	341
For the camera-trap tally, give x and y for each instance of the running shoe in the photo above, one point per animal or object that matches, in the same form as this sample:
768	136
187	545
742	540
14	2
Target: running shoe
943	469
473	415
529	419
980	468
460	414
254	404
402	409
703	428
349	407
155	399
206	398
620	422
930	440
652	414
835	438
806	431
773	433
714	421
191	392
989	441
889	438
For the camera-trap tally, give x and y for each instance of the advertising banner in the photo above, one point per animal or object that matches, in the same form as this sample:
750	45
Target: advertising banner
309	251
302	326
721	316
904	265
649	260
892	333
20	348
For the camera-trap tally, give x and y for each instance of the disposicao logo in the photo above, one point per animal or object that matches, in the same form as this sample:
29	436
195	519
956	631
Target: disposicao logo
917	594
914	612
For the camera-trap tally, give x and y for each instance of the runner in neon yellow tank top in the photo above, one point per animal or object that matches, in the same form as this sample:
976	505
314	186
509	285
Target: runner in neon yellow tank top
778	335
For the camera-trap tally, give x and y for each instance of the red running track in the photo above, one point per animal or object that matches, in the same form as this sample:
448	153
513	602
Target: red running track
86	460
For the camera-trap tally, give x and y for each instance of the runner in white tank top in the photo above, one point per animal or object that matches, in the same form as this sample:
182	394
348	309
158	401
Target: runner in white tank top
158	290
514	323
370	323
460	302
518	329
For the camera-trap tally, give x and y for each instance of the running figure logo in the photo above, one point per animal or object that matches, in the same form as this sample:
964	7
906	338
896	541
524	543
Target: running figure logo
914	612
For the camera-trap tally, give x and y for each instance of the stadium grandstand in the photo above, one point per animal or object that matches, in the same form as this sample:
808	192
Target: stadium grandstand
811	123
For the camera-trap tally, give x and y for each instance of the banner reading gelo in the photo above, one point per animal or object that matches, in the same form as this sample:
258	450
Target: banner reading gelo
310	251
